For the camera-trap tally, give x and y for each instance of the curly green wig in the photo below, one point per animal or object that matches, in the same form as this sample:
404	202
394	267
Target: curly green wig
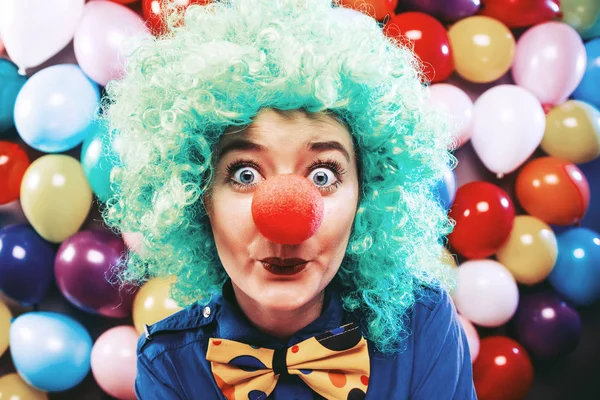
218	66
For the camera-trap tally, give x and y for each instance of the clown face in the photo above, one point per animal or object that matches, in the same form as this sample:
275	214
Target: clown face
318	148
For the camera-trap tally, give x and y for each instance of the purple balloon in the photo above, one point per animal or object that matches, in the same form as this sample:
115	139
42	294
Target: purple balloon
84	269
546	325
447	10
26	260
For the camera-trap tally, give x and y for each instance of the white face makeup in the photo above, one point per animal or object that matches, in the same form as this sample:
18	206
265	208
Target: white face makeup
318	148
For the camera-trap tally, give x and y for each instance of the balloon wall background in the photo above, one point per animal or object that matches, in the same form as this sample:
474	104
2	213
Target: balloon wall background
521	80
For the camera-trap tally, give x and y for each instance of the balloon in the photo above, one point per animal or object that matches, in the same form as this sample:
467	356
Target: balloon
446	189
583	16
98	157
429	40
102	39
135	242
591	171
83	267
10	85
483	48
54	110
458	105
530	251
573	132
484	216
448	258
1	46
34	31
55	196
26	260
549	62
13	164
508	125
472	337
152	10
153	303
114	361
554	190
588	87
51	351
546	325
447	10
503	370
125	1
576	275
378	9
5	318
12	387
486	293
521	13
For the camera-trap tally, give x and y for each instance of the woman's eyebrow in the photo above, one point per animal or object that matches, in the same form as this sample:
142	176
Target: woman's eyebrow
247	145
331	145
239	144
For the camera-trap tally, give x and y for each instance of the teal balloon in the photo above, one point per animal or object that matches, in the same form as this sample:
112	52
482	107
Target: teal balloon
10	86
576	274
98	158
50	351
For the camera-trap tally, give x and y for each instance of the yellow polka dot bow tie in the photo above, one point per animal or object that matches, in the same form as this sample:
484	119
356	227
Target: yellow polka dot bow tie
334	364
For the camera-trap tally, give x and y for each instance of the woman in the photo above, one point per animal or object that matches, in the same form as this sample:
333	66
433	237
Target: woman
247	117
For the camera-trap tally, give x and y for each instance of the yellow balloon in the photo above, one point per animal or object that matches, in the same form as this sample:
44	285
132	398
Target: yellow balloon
152	303
530	251
12	387
5	318
573	132
55	196
483	48
448	259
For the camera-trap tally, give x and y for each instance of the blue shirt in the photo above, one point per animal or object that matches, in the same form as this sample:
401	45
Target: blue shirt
435	365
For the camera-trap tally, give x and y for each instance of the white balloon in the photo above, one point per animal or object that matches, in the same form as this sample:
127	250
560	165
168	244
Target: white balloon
457	105
33	31
486	293
508	125
472	337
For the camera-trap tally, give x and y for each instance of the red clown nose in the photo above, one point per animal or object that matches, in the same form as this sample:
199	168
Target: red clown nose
287	209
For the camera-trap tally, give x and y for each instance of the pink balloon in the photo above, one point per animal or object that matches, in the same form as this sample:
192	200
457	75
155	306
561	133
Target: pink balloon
458	105
472	337
104	38
550	61
134	241
1	46
114	361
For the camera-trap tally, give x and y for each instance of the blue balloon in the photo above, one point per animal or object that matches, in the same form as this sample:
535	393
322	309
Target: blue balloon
591	171
98	157
445	190
50	351
55	108
576	274
26	264
588	87
10	85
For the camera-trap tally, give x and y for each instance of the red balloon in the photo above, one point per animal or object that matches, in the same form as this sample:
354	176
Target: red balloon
521	13
13	164
503	370
430	39
553	190
287	209
378	9
484	216
152	11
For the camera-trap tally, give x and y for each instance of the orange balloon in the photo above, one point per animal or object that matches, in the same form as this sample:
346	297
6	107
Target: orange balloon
553	190
377	9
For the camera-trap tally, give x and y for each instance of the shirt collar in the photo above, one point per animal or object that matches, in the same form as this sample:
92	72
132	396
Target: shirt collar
234	325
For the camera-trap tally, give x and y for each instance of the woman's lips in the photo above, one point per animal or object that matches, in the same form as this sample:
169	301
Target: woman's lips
284	262
284	270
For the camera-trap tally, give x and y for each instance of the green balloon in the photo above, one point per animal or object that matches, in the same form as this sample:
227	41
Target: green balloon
583	16
98	158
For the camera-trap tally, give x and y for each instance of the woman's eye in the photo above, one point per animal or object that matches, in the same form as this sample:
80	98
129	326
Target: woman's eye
246	176
322	177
